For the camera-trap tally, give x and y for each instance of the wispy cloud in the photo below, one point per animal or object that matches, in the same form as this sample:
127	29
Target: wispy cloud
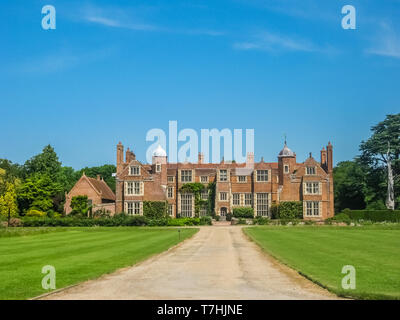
387	43
60	61
114	18
120	18
304	9
277	43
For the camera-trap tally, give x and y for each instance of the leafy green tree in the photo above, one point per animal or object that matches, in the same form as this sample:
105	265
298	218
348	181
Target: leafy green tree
382	149
38	192
8	202
44	163
80	206
349	186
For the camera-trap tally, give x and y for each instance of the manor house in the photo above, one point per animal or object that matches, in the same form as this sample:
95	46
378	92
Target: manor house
251	184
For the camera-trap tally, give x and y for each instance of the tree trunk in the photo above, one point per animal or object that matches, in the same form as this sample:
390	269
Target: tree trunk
390	190
9	217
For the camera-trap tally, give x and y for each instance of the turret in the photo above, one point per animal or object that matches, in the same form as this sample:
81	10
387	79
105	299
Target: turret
286	163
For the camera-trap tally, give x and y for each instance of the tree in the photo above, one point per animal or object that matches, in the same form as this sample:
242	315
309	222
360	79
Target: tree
383	149
350	185
80	206
8	202
45	163
38	192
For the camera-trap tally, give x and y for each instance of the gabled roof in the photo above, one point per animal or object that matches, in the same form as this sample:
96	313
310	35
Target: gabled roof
102	188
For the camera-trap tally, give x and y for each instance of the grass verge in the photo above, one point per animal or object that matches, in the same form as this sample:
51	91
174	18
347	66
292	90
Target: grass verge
320	252
78	254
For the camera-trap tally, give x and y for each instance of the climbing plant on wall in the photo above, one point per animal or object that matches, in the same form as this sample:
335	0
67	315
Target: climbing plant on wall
196	189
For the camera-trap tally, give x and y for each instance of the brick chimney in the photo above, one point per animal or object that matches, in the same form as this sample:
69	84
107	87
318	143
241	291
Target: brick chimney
329	158
323	158
201	158
250	159
120	156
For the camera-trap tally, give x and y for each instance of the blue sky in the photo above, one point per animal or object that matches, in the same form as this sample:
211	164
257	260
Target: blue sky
112	70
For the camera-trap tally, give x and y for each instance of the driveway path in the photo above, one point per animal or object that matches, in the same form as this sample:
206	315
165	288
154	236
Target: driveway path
216	263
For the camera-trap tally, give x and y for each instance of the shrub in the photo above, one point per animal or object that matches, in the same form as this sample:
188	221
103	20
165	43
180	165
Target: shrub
154	209
289	210
35	213
184	222
79	206
243	212
241	221
229	217
373	215
261	221
274	211
206	221
14	222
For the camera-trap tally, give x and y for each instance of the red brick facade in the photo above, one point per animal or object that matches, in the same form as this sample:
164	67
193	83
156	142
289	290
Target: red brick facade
236	186
98	192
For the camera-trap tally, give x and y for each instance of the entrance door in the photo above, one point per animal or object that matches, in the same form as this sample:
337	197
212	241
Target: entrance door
223	212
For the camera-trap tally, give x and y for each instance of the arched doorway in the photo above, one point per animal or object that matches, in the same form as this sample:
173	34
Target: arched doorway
222	212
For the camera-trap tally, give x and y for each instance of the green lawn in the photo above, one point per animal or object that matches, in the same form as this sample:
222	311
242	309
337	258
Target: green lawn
320	252
78	254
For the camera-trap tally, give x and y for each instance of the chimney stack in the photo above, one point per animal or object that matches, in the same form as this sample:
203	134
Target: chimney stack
201	158
120	156
250	158
329	158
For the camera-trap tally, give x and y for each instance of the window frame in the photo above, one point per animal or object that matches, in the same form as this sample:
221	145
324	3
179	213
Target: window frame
131	173
225	175
223	193
185	174
259	175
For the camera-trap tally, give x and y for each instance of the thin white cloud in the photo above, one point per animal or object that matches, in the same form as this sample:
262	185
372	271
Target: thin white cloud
60	61
386	44
124	19
277	43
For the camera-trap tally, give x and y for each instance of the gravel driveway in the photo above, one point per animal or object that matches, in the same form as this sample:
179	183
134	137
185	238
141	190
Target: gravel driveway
216	263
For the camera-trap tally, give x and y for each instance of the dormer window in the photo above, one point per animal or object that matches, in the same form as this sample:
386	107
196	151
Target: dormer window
158	167
310	171
134	171
286	168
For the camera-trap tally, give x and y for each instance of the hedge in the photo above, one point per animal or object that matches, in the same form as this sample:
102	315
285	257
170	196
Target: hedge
243	212
288	210
117	220
373	215
154	209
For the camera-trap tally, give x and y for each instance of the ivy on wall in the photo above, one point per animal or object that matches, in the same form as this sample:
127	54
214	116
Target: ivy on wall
197	188
154	209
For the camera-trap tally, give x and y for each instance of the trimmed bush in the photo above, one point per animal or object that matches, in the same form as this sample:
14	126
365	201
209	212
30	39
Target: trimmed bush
206	221
243	212
154	209
289	210
261	221
373	215
341	217
35	213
